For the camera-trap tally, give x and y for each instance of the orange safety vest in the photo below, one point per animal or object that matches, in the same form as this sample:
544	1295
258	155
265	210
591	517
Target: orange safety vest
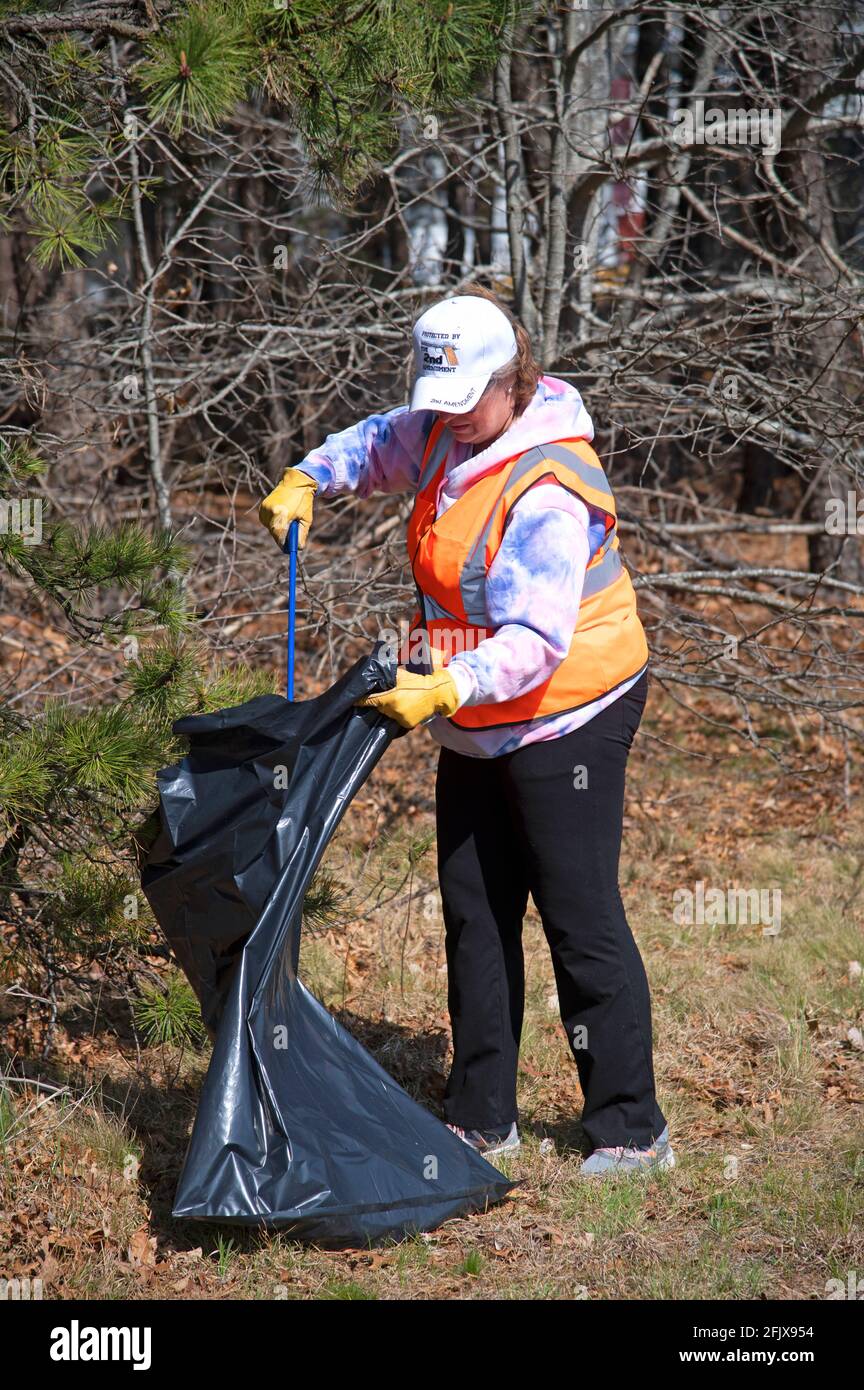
450	558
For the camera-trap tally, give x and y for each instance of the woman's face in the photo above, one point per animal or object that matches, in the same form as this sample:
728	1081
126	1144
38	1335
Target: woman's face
489	418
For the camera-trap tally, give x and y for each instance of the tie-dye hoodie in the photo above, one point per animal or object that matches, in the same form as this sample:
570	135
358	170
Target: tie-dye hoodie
534	584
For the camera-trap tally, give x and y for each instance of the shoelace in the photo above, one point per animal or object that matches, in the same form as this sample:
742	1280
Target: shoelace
622	1150
463	1134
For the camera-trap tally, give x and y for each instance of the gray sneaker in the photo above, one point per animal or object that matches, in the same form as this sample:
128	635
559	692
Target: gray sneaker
604	1162
489	1141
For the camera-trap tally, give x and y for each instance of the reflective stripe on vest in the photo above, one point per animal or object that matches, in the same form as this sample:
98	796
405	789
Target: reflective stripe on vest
602	569
435	456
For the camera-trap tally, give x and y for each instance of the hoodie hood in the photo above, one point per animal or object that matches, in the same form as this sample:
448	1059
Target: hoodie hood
556	412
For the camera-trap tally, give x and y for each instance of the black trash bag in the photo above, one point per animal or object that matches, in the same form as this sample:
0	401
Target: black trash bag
297	1125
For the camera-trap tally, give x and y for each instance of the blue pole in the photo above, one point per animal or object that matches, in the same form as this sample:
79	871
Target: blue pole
290	547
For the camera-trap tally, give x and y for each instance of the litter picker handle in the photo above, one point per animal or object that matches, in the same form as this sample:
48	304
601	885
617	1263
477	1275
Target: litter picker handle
290	547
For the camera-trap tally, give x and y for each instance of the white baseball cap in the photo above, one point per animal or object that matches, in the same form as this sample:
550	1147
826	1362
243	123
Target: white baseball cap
458	344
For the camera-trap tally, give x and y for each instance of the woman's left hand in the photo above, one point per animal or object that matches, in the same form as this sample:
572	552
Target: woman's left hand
416	698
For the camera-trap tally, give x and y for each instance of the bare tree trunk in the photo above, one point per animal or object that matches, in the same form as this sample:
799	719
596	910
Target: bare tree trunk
836	350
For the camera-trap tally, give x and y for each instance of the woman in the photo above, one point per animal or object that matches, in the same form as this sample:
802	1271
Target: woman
534	686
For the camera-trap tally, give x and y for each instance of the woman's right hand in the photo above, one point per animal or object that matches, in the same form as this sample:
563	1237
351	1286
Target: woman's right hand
290	500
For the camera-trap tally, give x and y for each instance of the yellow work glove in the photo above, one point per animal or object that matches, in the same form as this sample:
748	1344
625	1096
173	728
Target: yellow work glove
290	501
416	698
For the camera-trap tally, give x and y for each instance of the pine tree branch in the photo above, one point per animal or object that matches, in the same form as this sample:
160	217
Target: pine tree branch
154	446
79	21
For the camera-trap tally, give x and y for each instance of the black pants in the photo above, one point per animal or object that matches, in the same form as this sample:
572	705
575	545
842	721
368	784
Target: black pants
545	820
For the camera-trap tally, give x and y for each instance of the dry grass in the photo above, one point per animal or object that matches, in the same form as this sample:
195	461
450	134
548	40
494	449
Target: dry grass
759	1069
